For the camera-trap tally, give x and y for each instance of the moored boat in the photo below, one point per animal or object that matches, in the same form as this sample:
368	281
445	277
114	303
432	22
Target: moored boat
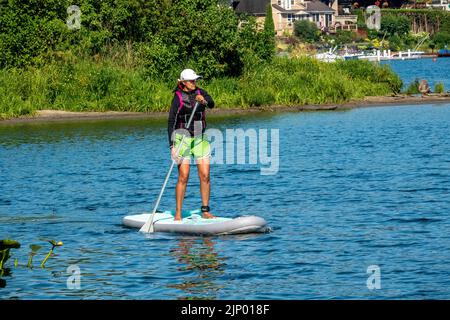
444	53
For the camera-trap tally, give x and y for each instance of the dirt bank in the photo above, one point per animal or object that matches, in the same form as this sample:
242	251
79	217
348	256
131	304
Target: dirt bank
57	115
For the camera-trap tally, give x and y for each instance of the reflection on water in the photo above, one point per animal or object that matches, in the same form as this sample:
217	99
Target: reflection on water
5	272
198	256
75	132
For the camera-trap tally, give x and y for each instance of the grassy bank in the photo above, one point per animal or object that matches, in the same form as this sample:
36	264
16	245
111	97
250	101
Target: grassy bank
89	85
86	85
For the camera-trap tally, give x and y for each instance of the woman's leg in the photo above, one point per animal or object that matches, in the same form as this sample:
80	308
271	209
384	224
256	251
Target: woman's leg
180	190
205	186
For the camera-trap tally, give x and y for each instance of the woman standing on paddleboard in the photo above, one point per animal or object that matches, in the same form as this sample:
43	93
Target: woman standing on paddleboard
194	144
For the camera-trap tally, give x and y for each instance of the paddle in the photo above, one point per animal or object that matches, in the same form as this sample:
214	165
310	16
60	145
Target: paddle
148	226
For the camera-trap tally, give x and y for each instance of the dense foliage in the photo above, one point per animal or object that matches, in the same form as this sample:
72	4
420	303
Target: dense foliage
306	31
165	35
441	39
394	25
403	29
126	55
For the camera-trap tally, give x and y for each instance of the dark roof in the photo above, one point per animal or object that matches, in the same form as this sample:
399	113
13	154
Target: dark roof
258	7
280	8
317	6
252	6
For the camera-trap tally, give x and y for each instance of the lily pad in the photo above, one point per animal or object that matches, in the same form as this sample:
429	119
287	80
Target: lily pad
35	248
9	244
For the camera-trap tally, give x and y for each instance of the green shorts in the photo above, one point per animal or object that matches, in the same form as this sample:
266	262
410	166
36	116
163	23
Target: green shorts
197	147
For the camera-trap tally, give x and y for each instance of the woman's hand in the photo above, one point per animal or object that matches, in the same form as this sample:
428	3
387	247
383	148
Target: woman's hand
173	153
200	99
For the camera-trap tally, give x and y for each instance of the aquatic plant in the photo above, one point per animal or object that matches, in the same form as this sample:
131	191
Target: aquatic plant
5	247
34	249
439	87
413	87
54	245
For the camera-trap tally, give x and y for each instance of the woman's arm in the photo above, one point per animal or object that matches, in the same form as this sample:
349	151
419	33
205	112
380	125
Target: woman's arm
208	98
172	118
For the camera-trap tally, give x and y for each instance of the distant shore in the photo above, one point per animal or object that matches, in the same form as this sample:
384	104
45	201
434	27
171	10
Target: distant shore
64	116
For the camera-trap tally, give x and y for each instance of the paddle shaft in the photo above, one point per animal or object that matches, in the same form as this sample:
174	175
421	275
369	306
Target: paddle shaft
148	226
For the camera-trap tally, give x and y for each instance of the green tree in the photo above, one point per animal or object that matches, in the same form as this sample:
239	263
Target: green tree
441	39
306	30
164	35
204	36
29	29
269	34
395	25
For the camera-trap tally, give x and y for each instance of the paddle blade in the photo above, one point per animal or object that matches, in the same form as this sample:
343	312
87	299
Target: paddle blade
148	226
145	228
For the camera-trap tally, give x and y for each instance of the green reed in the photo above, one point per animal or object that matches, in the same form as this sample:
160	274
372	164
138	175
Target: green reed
89	84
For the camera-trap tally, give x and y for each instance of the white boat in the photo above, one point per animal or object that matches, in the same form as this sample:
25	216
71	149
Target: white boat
329	56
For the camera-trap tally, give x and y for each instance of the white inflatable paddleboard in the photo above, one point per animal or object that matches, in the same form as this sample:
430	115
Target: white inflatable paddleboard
193	223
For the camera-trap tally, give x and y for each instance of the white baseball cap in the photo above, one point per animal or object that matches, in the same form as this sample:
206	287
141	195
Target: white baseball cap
189	74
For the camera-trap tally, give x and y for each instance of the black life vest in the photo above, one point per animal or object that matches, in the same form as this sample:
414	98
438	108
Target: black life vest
182	119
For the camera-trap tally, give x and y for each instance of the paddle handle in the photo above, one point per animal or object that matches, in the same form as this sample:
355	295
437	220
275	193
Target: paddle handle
148	226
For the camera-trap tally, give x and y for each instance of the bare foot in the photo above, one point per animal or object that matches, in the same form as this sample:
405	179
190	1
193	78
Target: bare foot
177	217
207	215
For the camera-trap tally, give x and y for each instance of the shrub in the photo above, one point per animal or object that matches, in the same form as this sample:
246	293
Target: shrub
395	43
306	30
413	87
441	39
439	87
344	36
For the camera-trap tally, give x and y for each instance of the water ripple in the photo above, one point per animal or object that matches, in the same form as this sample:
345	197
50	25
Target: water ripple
354	189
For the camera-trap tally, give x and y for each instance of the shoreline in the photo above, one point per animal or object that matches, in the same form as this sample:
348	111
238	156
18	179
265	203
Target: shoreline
43	116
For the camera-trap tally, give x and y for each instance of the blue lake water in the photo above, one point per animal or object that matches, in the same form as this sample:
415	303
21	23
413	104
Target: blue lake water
359	188
433	70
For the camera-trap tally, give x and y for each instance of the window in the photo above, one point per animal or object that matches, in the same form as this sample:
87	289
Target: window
290	18
328	19
287	4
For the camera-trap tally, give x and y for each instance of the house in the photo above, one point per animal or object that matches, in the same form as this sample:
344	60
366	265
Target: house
256	8
344	20
286	12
